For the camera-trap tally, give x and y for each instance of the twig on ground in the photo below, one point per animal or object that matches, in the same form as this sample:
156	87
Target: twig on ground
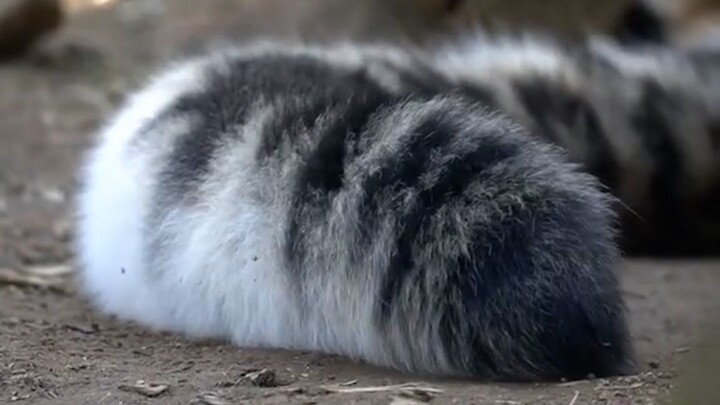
45	277
141	387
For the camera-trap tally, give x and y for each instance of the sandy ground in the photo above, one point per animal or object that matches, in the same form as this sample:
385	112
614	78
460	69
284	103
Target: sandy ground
55	350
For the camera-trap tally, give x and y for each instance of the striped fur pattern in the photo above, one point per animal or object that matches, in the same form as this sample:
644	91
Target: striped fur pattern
341	200
646	122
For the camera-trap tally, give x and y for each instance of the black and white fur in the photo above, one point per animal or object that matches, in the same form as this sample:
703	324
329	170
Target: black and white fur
336	199
646	122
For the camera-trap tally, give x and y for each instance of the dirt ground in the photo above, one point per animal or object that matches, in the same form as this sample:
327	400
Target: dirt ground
55	350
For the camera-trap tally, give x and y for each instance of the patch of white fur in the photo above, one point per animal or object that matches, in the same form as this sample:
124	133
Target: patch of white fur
480	58
219	270
113	203
341	55
220	275
636	63
224	264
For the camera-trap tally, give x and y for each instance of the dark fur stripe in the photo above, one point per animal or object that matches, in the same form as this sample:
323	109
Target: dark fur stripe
402	172
483	281
323	170
651	122
230	93
294	117
552	108
456	175
213	114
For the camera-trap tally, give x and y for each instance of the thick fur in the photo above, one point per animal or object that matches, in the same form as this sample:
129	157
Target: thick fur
338	200
644	121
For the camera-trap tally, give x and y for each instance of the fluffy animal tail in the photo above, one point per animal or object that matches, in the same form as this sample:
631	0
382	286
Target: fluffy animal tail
427	234
488	254
644	121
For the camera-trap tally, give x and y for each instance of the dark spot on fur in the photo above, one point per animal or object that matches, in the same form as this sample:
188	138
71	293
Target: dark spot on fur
640	25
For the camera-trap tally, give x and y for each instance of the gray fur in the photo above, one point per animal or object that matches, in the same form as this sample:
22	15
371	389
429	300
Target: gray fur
645	121
327	199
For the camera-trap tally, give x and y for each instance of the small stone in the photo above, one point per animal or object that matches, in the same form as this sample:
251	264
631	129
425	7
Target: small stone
262	378
53	195
84	329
